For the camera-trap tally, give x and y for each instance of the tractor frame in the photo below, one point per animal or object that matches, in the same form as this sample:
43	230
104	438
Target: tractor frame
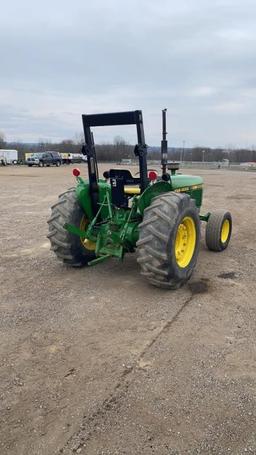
113	215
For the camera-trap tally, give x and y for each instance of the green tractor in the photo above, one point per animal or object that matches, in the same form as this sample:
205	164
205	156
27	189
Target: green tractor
158	216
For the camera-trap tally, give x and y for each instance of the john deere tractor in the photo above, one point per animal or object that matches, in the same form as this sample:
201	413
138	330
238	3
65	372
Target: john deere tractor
156	216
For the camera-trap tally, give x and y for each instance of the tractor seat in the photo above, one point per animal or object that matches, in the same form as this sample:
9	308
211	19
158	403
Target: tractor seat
123	184
131	190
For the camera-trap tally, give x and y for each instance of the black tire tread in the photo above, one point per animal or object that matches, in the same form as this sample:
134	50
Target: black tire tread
61	240
213	230
154	234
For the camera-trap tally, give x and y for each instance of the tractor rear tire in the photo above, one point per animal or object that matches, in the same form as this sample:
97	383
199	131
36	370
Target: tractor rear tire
68	247
218	230
169	223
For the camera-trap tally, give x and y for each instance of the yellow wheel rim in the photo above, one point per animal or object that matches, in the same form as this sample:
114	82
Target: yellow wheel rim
225	231
88	244
185	242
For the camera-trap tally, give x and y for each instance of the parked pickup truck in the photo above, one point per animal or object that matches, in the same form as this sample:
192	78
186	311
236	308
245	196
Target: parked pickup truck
44	159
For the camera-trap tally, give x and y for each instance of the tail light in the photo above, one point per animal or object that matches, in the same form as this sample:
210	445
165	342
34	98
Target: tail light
76	172
152	175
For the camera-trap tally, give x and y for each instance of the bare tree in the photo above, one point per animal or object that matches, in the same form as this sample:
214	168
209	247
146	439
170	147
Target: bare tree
2	140
122	148
79	139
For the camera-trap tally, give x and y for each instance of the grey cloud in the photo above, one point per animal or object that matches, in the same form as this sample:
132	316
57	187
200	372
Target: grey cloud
196	58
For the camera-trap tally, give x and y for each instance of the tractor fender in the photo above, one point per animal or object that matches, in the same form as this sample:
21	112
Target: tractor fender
153	191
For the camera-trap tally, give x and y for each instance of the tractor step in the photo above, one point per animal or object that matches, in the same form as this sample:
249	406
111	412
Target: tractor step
99	259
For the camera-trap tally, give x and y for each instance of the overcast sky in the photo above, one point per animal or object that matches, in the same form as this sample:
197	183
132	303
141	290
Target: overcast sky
59	59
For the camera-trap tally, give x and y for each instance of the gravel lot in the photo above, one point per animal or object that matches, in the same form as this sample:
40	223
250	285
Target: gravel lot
96	361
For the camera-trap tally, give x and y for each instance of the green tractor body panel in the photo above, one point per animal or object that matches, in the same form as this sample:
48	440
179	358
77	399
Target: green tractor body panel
118	231
193	185
83	196
152	191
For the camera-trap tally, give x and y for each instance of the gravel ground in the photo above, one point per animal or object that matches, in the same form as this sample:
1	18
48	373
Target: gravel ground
96	361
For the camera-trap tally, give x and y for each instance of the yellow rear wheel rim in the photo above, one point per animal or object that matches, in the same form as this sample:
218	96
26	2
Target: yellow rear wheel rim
88	244
225	230
185	242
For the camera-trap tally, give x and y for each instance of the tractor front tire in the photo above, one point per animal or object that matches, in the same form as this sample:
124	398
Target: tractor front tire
169	238
68	247
218	230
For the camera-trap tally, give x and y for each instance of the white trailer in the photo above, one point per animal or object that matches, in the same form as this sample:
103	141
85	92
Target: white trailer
8	156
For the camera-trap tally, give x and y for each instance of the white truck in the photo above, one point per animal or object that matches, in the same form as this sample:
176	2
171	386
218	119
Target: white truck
8	157
72	158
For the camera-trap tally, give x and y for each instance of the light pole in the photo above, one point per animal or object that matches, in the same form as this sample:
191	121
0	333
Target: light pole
182	152
181	155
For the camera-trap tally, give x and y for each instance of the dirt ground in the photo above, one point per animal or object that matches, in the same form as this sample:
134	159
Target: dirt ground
97	361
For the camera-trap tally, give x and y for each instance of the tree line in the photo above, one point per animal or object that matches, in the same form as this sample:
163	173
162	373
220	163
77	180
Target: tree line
209	154
120	149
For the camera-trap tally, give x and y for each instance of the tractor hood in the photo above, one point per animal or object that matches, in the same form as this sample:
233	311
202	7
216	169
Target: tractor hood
181	181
